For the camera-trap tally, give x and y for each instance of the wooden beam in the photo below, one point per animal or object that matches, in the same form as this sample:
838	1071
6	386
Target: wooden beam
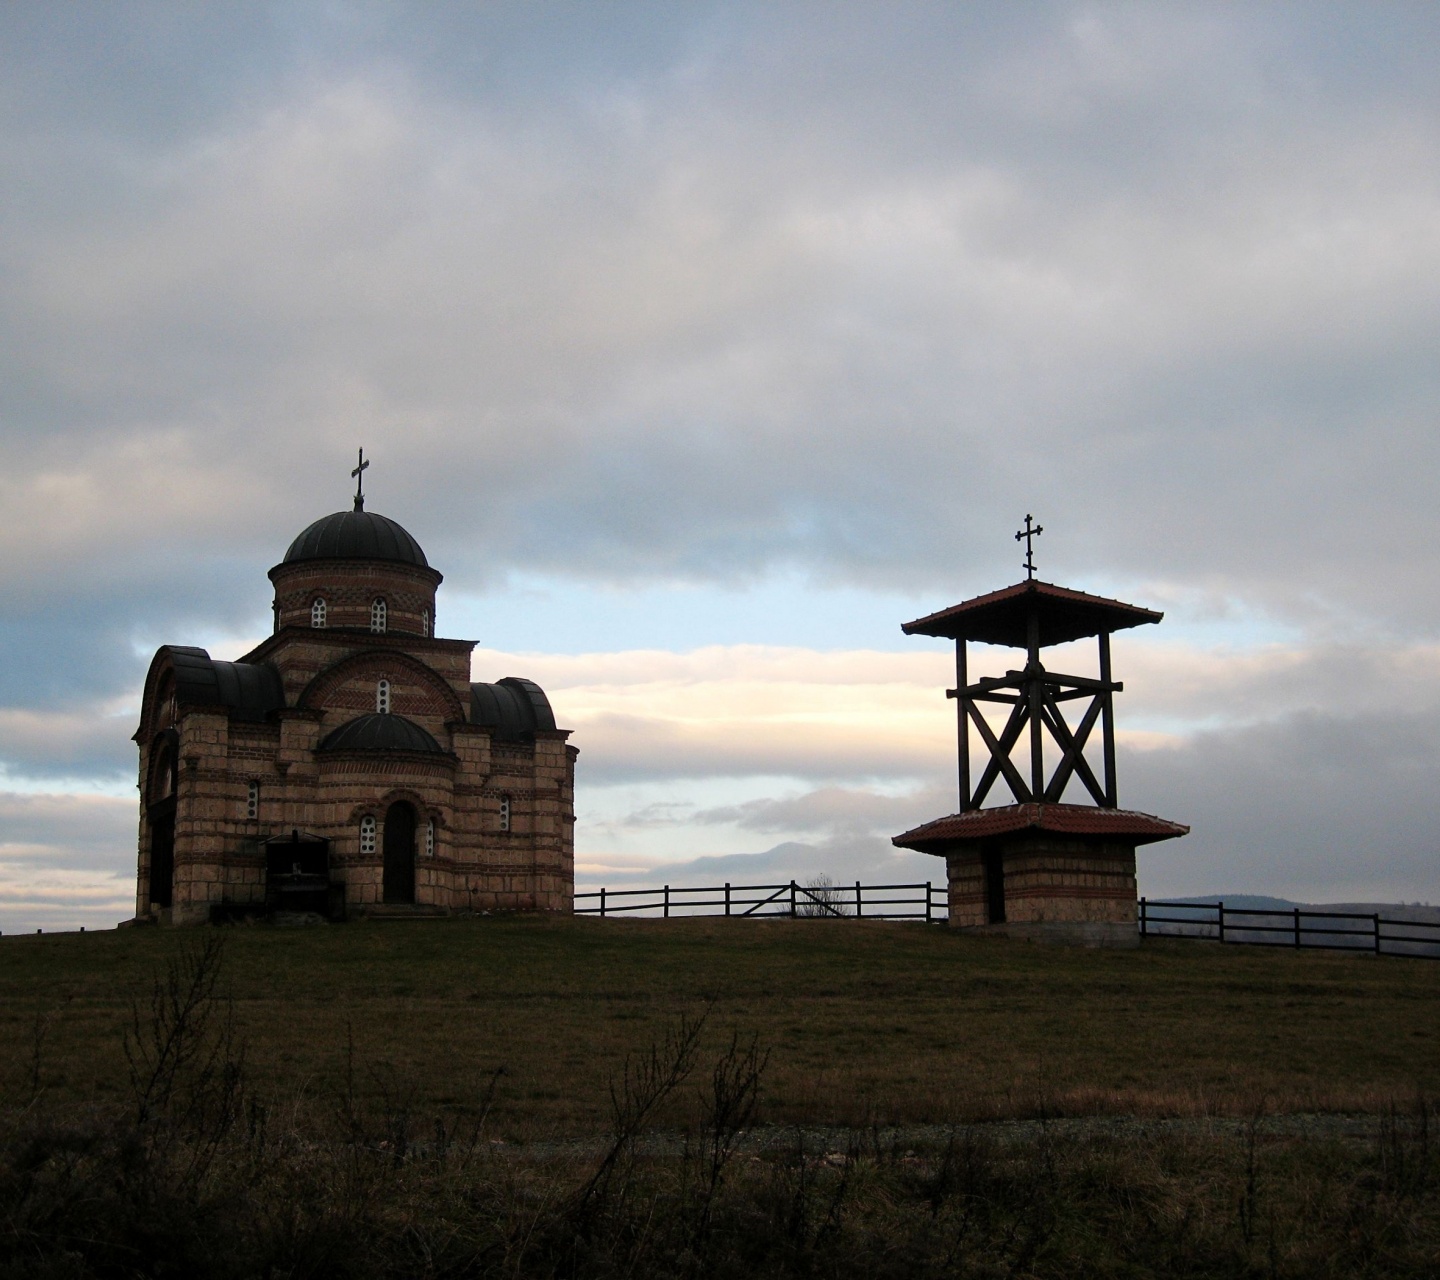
1082	682
962	726
1107	729
1034	678
1000	762
1073	746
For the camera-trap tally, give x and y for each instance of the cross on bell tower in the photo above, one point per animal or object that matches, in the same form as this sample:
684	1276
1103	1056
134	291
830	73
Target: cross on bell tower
1029	535
1078	859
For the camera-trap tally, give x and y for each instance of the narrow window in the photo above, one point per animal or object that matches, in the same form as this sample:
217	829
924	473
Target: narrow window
163	780
504	813
382	697
317	612
430	838
252	801
367	834
377	615
425	621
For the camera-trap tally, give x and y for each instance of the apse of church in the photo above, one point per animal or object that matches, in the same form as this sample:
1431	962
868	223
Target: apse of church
348	765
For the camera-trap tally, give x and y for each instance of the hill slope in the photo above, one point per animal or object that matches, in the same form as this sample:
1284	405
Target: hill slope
864	1021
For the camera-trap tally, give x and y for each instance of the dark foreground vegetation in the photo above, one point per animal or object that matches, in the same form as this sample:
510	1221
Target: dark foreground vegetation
198	1164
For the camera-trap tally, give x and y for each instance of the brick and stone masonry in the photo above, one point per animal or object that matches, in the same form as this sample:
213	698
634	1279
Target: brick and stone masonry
357	732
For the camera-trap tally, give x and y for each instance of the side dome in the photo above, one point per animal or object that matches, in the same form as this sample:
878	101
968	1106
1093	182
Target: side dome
380	732
513	708
356	535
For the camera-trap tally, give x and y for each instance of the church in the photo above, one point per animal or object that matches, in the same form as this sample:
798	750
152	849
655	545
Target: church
347	766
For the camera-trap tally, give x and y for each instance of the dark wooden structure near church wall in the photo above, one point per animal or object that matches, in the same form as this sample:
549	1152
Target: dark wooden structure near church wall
1039	867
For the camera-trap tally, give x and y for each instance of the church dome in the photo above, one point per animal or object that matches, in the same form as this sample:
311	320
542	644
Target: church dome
381	732
356	535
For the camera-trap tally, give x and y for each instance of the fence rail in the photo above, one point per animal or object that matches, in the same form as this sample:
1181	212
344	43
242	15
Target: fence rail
1298	927
791	899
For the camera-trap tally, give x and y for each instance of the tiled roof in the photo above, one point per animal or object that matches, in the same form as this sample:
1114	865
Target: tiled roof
1062	819
1001	617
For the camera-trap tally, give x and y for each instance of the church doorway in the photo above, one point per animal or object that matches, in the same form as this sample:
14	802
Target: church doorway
399	876
162	853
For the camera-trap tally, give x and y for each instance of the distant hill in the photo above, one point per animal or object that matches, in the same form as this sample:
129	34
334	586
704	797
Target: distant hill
1420	911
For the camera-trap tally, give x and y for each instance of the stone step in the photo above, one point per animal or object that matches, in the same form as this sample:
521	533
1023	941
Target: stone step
399	911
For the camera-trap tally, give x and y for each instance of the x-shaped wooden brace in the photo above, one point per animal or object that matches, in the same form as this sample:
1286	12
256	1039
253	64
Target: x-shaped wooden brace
1000	750
1073	746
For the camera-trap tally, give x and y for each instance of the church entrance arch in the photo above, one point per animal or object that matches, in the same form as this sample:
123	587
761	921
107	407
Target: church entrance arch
399	875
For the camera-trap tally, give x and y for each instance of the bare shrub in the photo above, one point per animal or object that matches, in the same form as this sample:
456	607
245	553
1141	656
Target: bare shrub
820	898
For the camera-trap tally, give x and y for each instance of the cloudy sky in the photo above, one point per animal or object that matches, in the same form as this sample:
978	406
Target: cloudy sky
701	346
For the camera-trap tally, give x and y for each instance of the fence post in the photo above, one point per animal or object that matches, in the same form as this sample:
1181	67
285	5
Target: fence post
602	899
928	917
1377	933
727	897
1297	928
859	906
1220	929
1144	924
667	902
793	912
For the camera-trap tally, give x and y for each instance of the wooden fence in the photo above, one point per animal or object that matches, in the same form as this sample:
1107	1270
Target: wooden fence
1300	927
861	901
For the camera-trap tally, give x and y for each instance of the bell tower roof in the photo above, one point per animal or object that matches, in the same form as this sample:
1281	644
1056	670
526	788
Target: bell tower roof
1003	617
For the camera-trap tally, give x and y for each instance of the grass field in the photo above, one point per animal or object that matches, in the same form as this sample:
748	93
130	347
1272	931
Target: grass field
863	1022
353	1136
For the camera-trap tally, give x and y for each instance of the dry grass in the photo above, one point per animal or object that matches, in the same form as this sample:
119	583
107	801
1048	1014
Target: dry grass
864	1022
190	1162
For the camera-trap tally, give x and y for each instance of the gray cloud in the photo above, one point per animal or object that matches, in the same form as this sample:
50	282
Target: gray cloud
66	861
1315	806
838	812
741	292
870	860
653	294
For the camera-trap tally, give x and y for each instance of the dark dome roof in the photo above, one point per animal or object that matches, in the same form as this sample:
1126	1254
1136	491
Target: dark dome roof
250	690
379	732
356	535
513	708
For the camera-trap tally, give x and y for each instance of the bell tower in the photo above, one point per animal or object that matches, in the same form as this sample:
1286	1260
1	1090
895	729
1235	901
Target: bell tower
1039	866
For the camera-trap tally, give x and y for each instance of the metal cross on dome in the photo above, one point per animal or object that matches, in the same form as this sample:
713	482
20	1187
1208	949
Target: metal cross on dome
1029	534
359	476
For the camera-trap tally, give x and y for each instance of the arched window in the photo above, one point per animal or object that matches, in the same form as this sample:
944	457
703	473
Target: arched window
504	813
367	834
165	702
430	838
317	612
377	615
382	697
252	801
162	781
425	621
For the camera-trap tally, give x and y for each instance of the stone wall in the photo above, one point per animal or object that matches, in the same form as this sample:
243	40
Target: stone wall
350	590
476	866
1047	879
